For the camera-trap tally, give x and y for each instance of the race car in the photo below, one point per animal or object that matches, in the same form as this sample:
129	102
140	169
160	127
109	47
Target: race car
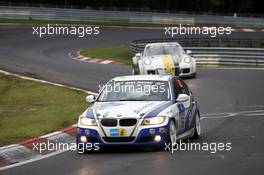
142	110
164	58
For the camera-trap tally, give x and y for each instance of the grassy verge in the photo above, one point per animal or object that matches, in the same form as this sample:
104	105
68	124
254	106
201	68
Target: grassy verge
29	109
118	53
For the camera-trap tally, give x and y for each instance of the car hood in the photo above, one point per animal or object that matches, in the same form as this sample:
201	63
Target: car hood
132	109
161	60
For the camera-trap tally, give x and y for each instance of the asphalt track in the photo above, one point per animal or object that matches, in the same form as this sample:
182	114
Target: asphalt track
225	91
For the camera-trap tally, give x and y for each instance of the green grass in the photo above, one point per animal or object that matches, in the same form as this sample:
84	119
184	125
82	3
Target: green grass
118	53
29	109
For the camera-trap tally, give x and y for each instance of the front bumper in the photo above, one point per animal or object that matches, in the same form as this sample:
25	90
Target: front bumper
187	69
145	137
160	71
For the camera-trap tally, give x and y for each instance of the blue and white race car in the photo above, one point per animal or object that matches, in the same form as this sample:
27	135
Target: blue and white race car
145	110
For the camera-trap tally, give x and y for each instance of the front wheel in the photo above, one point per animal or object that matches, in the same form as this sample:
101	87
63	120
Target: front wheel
135	70
197	127
173	132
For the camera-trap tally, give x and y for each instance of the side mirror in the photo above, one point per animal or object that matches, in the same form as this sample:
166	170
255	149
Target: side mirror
182	98
90	98
138	55
189	52
135	60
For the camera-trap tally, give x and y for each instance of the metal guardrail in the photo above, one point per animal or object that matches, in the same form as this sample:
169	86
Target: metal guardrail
69	5
139	45
212	55
19	12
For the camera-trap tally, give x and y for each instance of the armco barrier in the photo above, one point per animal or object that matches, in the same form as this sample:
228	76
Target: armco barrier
213	55
19	12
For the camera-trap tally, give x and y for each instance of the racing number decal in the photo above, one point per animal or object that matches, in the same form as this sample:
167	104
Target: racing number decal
115	132
168	64
182	114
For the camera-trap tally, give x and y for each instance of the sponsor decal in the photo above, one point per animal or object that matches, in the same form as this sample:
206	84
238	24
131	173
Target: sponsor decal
168	65
116	132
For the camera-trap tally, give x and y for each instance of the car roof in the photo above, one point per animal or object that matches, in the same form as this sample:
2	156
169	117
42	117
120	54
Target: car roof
143	77
163	43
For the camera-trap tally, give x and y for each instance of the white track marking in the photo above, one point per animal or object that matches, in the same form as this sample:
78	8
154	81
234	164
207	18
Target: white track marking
32	160
232	68
232	114
18	153
51	134
255	114
248	30
106	62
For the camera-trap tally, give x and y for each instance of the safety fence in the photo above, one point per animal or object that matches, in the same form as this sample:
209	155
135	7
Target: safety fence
206	55
18	12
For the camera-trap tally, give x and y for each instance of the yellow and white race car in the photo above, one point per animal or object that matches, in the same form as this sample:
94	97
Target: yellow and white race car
166	58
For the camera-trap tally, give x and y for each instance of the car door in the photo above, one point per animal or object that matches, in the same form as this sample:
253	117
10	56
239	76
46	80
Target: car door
189	105
182	107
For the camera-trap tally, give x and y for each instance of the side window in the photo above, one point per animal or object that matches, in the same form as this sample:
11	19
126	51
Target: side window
184	88
180	87
176	88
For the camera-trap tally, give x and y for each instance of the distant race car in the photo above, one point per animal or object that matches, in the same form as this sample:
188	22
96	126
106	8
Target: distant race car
144	110
164	58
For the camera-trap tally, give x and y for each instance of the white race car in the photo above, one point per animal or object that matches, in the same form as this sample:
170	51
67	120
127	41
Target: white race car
164	58
145	110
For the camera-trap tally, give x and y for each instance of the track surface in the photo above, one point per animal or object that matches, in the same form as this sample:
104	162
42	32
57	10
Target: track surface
217	91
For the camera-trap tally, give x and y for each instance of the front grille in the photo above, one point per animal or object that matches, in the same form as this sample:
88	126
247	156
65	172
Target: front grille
151	72
186	70
118	139
109	122
127	122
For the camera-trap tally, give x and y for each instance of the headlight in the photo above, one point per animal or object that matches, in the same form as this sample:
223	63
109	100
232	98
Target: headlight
147	61
87	121
187	59
154	120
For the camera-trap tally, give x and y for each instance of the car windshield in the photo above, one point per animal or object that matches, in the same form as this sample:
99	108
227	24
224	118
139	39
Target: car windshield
135	91
162	49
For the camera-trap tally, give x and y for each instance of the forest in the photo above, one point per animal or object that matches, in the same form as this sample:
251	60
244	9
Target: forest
195	6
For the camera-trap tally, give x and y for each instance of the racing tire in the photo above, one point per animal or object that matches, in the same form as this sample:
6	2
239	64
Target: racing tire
193	75
197	127
172	136
135	70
